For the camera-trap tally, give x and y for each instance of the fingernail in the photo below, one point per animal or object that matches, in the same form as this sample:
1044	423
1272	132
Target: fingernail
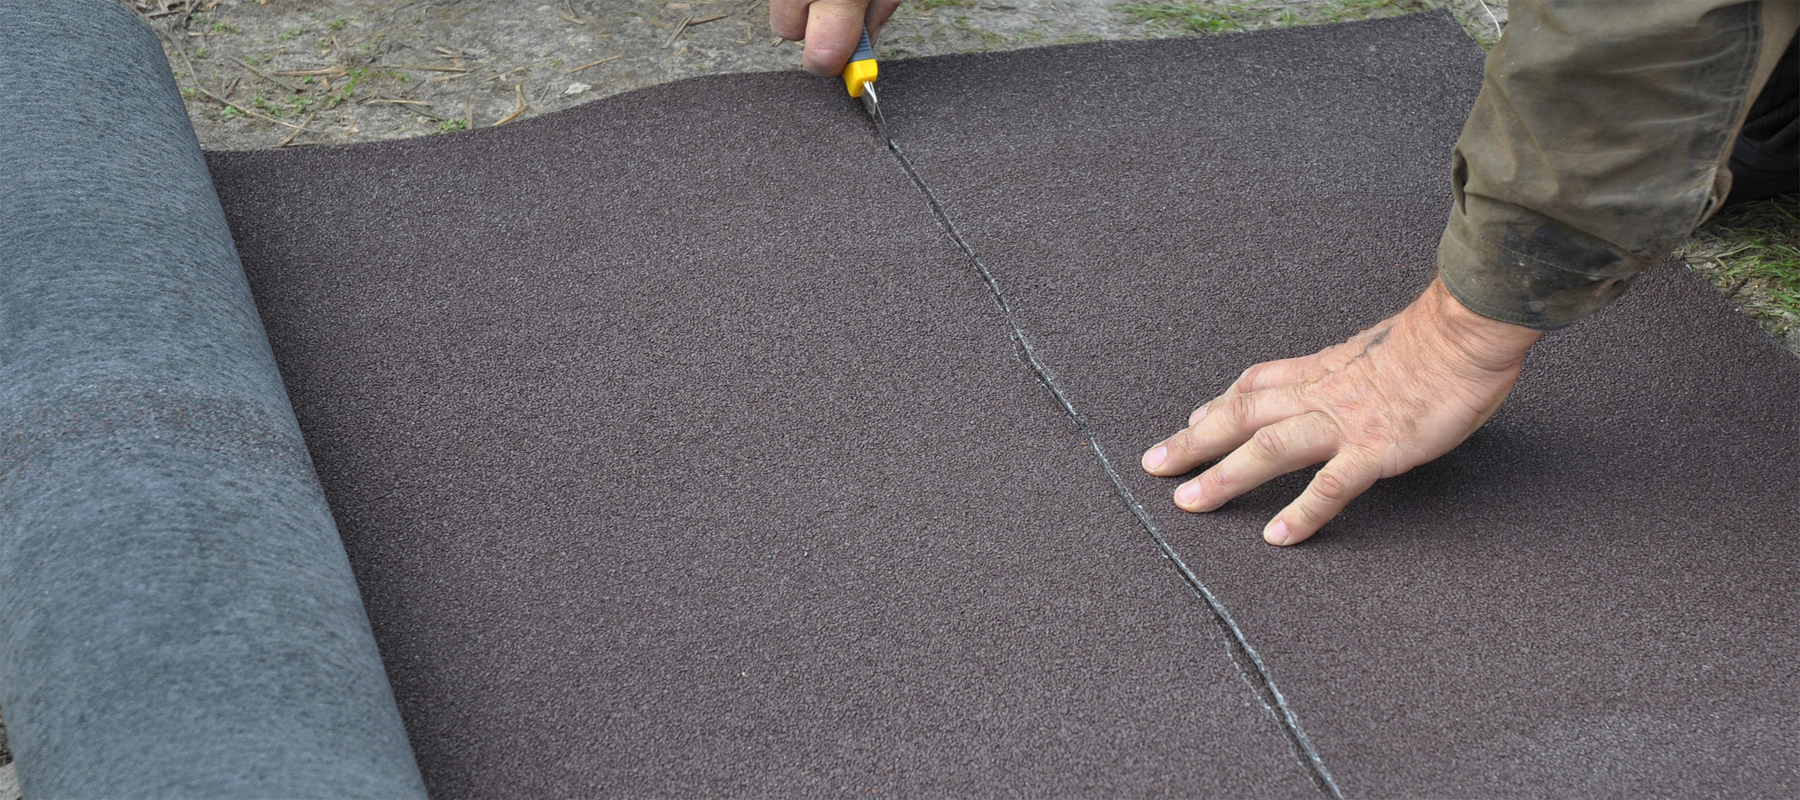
1199	414
1276	533
1188	494
1156	457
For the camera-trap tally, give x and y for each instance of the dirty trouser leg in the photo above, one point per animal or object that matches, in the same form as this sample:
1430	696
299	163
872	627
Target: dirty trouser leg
1600	140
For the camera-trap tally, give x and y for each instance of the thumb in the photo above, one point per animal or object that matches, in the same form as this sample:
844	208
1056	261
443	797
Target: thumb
833	27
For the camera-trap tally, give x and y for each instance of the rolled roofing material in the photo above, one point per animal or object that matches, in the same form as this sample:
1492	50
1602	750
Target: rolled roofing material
683	452
177	616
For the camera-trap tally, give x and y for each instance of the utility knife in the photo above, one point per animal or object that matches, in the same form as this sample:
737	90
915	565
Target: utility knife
859	76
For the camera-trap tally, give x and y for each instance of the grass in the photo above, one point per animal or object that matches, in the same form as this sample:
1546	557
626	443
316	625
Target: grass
1191	16
989	40
1348	10
1752	253
1210	16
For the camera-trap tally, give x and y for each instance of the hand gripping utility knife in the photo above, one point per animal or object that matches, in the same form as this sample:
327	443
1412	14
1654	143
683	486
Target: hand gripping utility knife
859	78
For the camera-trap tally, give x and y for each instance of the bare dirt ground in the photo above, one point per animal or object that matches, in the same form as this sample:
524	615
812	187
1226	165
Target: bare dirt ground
274	73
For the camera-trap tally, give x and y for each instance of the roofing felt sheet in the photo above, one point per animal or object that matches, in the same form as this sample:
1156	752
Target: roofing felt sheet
679	448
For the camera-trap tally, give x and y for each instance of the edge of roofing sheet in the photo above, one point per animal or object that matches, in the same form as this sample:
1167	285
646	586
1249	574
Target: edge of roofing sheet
1249	663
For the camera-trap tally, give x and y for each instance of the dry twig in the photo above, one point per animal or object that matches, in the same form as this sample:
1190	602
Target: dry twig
295	132
573	15
503	74
329	72
678	29
270	78
595	63
519	97
423	67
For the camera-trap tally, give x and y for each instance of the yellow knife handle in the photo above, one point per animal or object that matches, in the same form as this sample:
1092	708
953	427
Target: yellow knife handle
861	68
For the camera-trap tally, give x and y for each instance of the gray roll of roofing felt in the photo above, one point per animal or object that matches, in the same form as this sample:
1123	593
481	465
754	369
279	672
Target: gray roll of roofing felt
177	616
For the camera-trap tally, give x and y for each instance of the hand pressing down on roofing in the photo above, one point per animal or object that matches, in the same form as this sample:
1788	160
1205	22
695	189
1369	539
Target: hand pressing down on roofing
1391	398
831	28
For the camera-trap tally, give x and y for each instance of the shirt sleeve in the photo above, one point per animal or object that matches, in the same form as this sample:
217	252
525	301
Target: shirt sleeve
1598	142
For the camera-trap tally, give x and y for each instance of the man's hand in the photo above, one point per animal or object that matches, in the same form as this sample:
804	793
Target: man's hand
831	28
1393	397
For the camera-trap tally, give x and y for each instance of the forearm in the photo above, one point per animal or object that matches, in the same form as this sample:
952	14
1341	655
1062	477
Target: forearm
1599	141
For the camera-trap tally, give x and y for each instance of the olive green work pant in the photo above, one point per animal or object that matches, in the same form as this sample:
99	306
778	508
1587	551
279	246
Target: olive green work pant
1600	140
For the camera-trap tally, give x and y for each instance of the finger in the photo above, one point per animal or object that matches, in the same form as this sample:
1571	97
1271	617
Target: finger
1342	478
879	12
1271	374
788	18
1278	449
833	28
1267	375
1219	427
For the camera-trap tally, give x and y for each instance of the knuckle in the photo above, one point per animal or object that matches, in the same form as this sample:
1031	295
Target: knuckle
1336	357
1249	376
1323	425
1236	411
1333	487
1215	480
1305	516
1184	440
1361	460
1182	448
1269	443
